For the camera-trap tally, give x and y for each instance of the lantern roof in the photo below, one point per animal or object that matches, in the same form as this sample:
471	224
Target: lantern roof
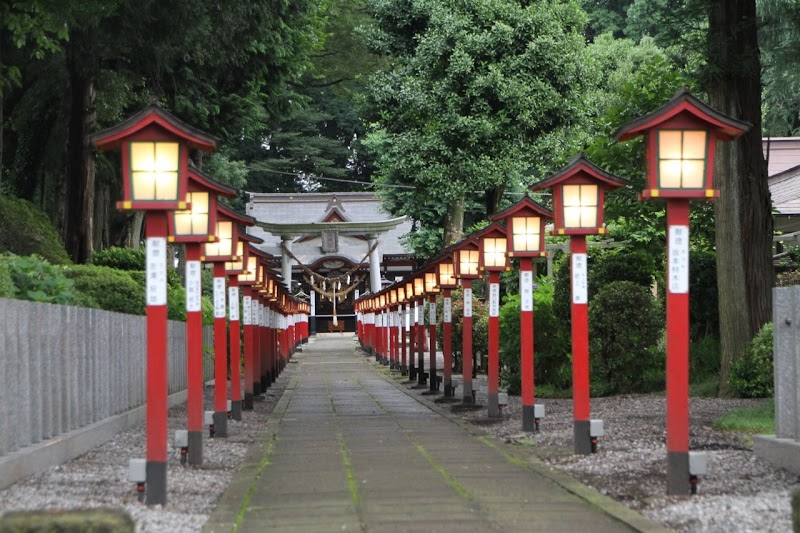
527	203
493	228
236	216
246	237
726	127
198	176
110	138
580	165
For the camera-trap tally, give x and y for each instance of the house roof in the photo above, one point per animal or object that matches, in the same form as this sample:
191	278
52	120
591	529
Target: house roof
785	190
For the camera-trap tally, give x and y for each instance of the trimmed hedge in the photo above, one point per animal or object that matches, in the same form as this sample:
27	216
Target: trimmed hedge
109	288
121	258
625	325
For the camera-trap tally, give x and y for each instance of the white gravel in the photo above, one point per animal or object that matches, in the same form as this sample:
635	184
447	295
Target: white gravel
740	494
100	477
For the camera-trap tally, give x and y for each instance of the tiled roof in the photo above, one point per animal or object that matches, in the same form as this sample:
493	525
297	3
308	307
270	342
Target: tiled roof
314	207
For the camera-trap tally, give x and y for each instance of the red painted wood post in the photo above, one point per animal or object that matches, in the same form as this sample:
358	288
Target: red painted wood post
157	388
220	353
678	346
432	334
526	342
268	347
466	341
493	381
248	318
258	344
403	329
235	347
194	353
447	341
421	379
580	345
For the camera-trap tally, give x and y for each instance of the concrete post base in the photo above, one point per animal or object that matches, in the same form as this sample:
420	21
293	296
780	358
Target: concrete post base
195	455
449	390
156	485
220	424
248	401
528	420
582	440
468	396
236	410
494	405
678	474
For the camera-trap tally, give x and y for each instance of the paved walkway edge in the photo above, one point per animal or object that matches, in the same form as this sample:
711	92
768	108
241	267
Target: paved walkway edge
609	506
235	499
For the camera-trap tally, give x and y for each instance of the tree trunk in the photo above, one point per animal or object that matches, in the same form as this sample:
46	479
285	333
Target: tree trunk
493	198
454	222
78	233
743	212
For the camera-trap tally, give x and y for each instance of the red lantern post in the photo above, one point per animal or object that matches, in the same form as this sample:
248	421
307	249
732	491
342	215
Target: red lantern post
466	260
193	227
680	144
247	280
525	223
411	331
446	279
234	270
494	260
223	251
419	309
578	196
155	168
432	289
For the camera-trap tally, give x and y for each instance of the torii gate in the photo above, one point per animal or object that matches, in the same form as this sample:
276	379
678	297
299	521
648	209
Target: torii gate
371	229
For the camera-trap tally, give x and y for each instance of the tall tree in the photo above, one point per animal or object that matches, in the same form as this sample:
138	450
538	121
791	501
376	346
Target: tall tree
474	92
222	67
743	212
779	39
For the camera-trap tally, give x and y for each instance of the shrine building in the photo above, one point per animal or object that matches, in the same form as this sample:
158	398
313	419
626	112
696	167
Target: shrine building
333	247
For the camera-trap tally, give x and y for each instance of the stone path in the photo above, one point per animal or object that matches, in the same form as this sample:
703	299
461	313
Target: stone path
349	448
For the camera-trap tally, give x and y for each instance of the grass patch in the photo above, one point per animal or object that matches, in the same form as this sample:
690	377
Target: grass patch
704	389
549	391
757	419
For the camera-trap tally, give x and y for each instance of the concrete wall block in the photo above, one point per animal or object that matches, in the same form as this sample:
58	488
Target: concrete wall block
5	401
63	368
20	385
46	333
786	353
39	404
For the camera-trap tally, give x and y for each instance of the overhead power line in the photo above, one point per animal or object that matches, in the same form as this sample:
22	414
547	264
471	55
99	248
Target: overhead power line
364	183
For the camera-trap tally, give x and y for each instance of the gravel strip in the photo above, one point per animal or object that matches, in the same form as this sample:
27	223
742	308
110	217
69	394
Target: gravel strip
741	492
100	478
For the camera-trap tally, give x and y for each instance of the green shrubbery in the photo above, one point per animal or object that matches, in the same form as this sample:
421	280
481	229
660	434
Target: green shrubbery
625	326
99	287
551	345
480	327
7	287
27	231
121	258
34	278
752	376
108	288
